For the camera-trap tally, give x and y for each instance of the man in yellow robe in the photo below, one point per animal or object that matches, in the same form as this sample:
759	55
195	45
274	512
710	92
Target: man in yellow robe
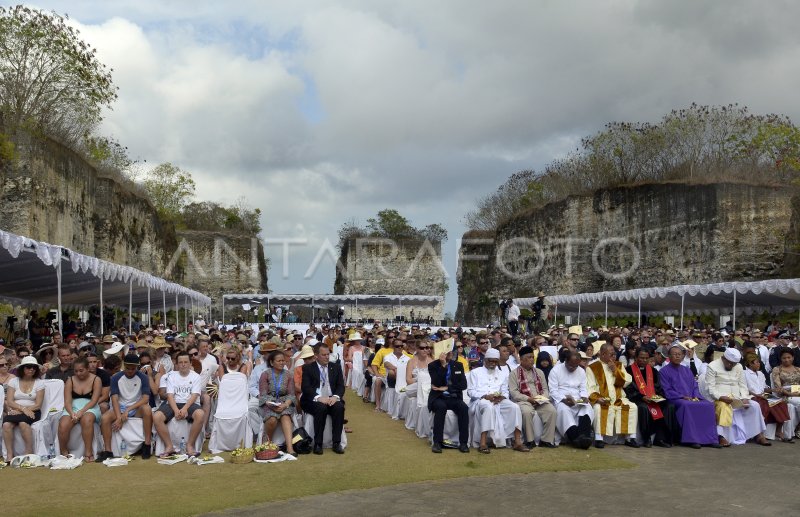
613	412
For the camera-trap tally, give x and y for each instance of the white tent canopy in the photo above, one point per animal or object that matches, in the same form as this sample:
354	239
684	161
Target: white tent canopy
334	299
312	300
37	273
719	299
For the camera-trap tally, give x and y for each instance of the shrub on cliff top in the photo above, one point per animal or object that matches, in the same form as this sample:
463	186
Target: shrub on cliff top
696	144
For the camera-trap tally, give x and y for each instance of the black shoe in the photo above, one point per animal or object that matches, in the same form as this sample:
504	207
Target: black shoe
146	451
695	445
436	448
530	445
661	443
647	444
338	449
103	456
463	448
715	446
599	444
631	443
584	442
548	445
317	449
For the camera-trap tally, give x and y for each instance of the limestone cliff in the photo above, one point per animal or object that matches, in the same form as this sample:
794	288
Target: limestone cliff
627	237
394	267
50	193
223	262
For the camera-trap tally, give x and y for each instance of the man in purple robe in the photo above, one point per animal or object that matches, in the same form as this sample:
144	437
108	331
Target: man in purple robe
695	415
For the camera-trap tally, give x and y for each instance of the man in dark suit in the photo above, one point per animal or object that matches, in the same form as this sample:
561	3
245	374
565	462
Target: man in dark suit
323	391
448	381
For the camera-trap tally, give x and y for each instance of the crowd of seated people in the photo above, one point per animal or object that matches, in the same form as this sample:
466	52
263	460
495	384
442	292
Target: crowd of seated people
485	389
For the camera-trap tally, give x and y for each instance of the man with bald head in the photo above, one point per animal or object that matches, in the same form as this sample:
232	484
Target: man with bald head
614	414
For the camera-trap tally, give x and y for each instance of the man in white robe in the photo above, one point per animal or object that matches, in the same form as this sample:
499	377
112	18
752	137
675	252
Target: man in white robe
490	408
737	419
574	415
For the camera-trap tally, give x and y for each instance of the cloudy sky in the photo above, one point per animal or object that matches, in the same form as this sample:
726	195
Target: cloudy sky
319	112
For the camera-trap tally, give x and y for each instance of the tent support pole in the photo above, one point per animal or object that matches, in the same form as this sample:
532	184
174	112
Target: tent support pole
177	314
579	312
312	309
60	317
164	301
149	318
606	325
102	330
639	325
555	316
682	297
734	307
130	306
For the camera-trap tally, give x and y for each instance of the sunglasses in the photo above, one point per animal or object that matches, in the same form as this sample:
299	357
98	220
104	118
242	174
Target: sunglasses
418	348
3	365
398	346
194	354
231	358
483	343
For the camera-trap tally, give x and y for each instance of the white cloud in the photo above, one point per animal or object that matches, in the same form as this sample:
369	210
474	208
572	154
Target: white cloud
319	112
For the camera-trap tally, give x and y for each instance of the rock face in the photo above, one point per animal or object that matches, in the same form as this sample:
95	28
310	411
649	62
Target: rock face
630	237
217	263
49	193
393	267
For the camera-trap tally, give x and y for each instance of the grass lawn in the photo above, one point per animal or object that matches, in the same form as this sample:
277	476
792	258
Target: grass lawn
380	452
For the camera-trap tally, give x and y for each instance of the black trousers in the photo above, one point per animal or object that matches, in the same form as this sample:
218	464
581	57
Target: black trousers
439	408
513	327
321	413
661	427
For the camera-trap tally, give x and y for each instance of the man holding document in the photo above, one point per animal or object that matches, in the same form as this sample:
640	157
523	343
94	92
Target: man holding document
448	382
737	420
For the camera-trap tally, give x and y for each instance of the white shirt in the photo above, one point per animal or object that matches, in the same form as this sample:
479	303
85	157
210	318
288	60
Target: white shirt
183	387
756	382
484	381
513	313
562	382
210	366
723	383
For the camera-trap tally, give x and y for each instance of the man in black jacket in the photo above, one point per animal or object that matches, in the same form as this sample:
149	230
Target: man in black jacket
323	391
448	381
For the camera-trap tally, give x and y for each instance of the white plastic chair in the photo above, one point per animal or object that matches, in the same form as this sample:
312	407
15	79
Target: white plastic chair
357	374
231	418
400	406
178	429
45	431
75	444
133	434
327	440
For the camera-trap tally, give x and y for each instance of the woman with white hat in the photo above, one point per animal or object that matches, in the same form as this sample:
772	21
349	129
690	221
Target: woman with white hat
23	405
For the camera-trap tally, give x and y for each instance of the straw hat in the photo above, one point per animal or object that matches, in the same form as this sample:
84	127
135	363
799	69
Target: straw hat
355	336
108	339
306	352
267	346
160	342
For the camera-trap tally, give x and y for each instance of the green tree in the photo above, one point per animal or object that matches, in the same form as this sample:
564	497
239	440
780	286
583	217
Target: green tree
391	224
50	79
170	189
